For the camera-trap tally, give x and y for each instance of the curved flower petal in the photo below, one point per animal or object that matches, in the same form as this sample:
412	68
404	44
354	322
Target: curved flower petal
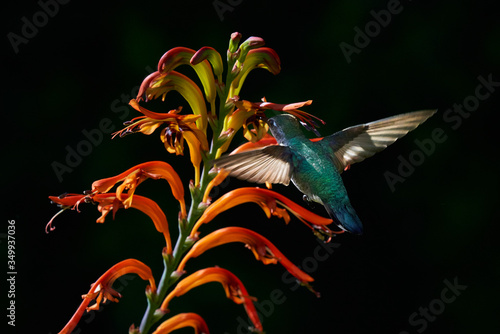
177	129
235	290
266	140
173	114
68	200
159	84
265	58
109	202
173	137
183	320
292	108
254	129
145	84
248	146
266	199
102	289
132	177
262	248
194	152
250	43
221	176
213	58
182	56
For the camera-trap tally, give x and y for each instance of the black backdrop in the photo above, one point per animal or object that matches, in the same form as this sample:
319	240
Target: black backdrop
437	228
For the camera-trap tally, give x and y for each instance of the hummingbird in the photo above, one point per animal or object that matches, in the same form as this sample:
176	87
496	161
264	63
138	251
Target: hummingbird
315	168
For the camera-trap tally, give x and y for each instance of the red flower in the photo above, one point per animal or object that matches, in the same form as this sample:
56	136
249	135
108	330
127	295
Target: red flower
235	290
262	248
134	176
267	200
178	128
109	202
102	290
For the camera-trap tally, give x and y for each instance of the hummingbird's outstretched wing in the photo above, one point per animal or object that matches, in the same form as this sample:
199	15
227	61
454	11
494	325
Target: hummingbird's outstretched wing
271	164
359	142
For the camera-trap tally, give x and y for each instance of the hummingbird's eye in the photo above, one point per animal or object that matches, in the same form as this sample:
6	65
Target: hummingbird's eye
271	122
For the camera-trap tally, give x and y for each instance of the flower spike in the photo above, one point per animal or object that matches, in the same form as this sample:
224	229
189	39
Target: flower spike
102	289
216	102
235	290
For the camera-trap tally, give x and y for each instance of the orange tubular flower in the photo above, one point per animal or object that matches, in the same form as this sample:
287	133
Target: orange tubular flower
132	177
102	289
158	84
184	56
177	129
221	176
183	320
148	123
251	116
262	248
109	202
265	58
267	200
235	290
266	140
291	108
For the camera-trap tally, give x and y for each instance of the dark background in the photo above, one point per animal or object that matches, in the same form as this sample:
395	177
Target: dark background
440	224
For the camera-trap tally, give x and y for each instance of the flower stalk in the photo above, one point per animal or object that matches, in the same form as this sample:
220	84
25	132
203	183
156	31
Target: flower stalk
177	128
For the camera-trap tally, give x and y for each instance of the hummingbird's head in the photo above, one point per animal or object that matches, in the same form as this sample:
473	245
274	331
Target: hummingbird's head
284	126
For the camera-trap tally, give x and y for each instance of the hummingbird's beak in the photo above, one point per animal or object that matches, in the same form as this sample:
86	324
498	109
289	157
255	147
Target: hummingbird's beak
310	128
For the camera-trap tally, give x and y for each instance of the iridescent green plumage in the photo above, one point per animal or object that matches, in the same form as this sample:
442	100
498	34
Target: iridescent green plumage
315	167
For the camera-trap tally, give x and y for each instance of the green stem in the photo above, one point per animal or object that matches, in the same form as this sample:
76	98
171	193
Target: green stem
170	264
185	227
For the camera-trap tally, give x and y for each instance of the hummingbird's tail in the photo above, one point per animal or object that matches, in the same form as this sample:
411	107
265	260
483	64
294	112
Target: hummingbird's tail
345	217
